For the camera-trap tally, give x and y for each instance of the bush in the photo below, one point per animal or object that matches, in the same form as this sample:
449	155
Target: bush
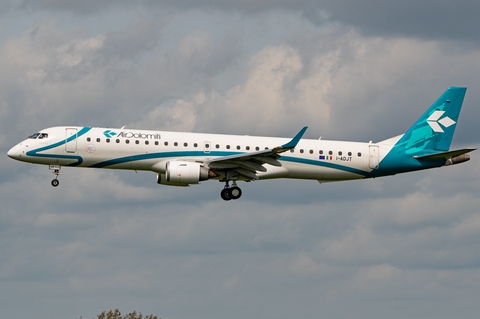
115	314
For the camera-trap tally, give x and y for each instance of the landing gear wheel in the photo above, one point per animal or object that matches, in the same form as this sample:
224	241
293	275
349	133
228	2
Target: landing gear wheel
56	172
235	192
225	194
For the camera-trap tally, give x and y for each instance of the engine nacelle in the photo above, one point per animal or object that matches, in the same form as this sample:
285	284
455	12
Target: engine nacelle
458	159
179	173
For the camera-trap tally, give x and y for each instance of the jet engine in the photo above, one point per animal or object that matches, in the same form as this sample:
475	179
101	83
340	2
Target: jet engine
180	173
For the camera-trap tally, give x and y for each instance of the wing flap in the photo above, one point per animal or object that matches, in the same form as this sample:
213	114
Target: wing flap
251	165
267	160
247	173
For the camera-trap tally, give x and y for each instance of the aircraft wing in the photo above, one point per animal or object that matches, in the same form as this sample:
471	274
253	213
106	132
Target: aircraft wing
248	164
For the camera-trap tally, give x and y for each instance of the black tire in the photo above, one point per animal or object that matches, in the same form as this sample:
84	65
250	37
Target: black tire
235	193
55	183
225	194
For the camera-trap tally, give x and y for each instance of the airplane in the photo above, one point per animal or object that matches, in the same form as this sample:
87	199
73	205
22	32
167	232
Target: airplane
183	159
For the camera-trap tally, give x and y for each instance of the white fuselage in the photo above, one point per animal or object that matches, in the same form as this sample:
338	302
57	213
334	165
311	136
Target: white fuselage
131	149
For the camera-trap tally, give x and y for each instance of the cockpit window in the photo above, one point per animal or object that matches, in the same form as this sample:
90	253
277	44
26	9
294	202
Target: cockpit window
38	135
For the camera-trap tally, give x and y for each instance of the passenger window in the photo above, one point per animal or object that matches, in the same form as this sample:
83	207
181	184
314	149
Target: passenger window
228	147
311	151
301	151
146	142
88	139
349	153
156	142
195	145
320	152
217	146
247	148
257	148
291	151
108	140
166	143
98	140
137	142
330	152
117	140
238	147
359	154
185	144
127	141
176	144
206	145
340	153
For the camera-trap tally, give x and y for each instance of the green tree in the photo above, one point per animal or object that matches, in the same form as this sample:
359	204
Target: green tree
116	314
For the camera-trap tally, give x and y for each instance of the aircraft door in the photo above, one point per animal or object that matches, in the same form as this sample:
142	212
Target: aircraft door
206	147
71	140
373	158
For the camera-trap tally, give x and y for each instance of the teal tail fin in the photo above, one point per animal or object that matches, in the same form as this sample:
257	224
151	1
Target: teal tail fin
433	131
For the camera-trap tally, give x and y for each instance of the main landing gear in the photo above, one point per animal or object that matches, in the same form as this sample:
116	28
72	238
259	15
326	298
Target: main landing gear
56	172
229	193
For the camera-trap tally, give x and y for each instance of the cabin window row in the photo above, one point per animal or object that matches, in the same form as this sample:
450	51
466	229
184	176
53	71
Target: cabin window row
98	140
339	153
217	146
207	146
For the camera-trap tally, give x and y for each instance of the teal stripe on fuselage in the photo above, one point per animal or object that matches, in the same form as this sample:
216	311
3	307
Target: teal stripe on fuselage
62	142
141	157
323	164
202	154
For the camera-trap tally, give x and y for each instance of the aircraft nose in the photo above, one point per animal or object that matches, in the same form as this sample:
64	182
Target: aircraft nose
14	152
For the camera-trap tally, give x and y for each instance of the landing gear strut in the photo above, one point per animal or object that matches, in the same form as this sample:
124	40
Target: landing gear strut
56	172
229	193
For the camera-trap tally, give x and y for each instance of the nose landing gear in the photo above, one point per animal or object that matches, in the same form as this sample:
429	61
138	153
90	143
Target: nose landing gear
56	172
229	193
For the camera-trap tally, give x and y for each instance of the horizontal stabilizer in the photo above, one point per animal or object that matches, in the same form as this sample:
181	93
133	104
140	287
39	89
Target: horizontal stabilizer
444	155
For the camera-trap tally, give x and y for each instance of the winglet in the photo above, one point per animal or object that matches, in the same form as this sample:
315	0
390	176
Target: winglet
295	140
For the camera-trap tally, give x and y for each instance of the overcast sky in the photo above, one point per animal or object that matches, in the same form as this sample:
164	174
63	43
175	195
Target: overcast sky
397	247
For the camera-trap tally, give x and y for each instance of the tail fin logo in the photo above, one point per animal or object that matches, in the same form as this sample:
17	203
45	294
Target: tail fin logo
436	122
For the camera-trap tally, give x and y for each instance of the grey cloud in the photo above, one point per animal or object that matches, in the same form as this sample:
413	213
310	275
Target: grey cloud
135	41
456	20
76	7
69	72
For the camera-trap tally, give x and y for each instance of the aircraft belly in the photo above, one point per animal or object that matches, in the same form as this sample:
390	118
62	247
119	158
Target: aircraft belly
273	172
303	171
